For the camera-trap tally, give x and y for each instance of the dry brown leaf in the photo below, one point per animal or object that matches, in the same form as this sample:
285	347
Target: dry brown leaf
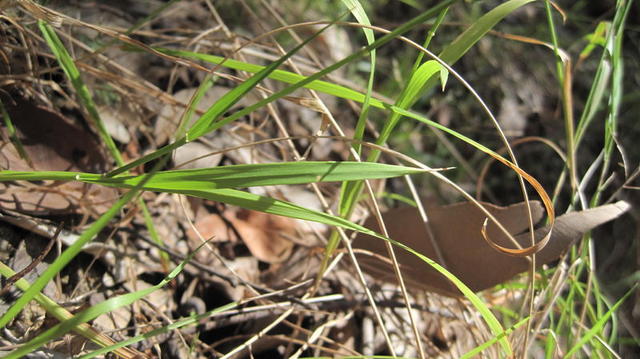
456	230
265	235
52	144
211	227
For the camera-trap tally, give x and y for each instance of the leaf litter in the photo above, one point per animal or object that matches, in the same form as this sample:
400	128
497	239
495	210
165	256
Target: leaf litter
250	252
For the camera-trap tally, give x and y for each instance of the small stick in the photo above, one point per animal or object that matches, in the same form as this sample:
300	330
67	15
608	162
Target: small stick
14	278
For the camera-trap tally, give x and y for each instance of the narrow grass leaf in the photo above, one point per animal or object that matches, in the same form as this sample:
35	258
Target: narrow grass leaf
596	38
272	206
203	124
480	348
13	136
454	51
70	69
358	12
233	176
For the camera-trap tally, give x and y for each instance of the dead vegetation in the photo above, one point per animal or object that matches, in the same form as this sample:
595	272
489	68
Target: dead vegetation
251	285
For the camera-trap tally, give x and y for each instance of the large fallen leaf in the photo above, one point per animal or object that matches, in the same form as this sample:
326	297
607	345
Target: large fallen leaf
51	142
456	233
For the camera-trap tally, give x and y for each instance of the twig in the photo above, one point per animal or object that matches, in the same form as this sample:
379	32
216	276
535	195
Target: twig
14	278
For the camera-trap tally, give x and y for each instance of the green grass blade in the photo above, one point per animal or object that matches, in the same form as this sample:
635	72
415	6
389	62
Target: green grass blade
598	326
480	27
477	350
70	69
93	312
278	75
595	97
358	12
272	206
233	176
204	123
268	174
13	136
185	121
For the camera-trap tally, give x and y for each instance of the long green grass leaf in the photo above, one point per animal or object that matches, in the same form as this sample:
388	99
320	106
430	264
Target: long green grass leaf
234	176
454	51
358	12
